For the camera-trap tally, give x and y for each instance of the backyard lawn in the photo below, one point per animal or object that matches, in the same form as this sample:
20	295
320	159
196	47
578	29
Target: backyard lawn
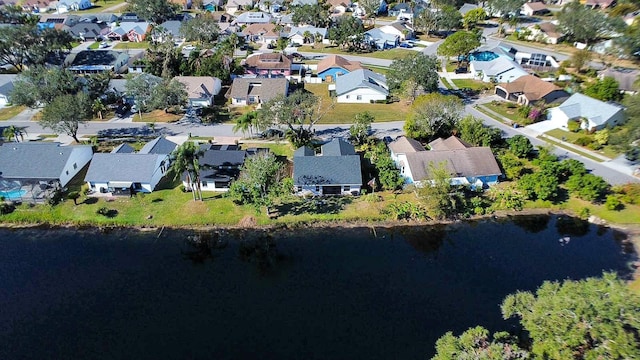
390	54
510	113
282	148
9	112
335	113
100	6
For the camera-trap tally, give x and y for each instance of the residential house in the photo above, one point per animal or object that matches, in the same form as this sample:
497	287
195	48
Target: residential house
592	114
304	2
46	163
233	6
333	66
261	33
125	172
247	91
534	8
336	170
98	61
107	18
465	8
212	5
338	7
599	4
286	20
270	6
361	86
6	87
545	32
500	69
268	65
64	6
89	31
297	35
400	29
168	31
130	17
401	7
37	6
381	40
529	89
468	165
253	17
58	22
626	78
200	89
130	31
221	165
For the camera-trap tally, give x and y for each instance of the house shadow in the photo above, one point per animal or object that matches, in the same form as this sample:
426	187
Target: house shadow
316	205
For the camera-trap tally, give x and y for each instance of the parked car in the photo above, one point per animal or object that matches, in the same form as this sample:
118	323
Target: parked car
406	45
272	133
461	70
104	45
295	44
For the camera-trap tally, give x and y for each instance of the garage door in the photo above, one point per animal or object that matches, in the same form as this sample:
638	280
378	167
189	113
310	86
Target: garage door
331	190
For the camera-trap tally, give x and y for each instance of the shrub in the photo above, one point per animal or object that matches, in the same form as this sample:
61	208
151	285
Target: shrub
535	114
583	141
6	208
613	203
573	126
594	146
524	111
584	213
103	211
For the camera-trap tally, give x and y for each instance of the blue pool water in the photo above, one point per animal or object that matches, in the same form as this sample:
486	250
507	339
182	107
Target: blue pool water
12	194
483	56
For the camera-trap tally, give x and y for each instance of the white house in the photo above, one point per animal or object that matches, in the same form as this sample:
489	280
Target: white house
361	86
64	6
6	87
500	69
296	35
200	89
400	29
42	162
593	114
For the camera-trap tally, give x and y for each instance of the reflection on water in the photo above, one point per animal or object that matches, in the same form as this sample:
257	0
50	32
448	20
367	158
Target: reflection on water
294	294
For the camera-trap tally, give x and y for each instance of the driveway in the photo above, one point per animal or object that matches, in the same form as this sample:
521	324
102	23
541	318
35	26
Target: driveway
543	126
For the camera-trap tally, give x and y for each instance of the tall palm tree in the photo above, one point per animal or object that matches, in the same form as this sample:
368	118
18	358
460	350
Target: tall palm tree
186	159
98	107
14	132
246	123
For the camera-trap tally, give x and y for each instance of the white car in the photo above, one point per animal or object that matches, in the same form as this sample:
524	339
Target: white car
103	45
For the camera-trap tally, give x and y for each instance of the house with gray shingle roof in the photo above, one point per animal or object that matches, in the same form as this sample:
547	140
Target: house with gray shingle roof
41	162
200	89
124	172
252	17
592	114
361	86
247	91
235	5
336	170
500	69
6	87
468	165
131	31
380	39
88	30
167	31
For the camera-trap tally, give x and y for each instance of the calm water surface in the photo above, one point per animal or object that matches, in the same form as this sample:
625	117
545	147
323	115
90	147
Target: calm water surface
320	294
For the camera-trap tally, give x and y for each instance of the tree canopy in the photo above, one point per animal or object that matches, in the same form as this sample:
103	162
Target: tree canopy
143	88
473	18
414	72
595	318
261	180
473	131
580	23
186	160
361	128
505	10
477	343
316	15
297	112
27	45
202	29
460	43
65	113
432	116
520	146
347	32
606	89
39	86
155	11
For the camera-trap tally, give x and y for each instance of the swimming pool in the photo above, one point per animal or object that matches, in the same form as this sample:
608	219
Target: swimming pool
13	194
483	56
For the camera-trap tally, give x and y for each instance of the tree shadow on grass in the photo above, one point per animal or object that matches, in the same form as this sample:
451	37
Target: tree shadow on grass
325	205
91	200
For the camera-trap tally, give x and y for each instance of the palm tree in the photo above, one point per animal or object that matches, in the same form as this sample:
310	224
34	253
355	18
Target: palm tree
306	37
186	159
98	107
246	122
15	132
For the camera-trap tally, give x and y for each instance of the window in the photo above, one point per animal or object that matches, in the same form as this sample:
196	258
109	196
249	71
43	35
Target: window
348	96
204	184
75	166
299	188
346	188
317	188
359	97
67	172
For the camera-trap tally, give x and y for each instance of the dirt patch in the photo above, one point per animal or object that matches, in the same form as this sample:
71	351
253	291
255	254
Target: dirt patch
248	222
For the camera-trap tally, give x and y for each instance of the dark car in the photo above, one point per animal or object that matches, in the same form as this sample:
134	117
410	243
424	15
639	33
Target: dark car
272	134
406	45
461	70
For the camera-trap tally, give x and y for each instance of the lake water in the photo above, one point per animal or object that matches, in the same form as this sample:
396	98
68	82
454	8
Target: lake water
316	294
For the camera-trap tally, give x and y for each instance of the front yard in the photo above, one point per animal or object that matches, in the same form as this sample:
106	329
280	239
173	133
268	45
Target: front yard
126	45
578	137
9	112
508	110
390	54
471	84
334	113
157	116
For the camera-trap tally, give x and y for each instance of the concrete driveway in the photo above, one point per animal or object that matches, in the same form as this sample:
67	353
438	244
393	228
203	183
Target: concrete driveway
543	126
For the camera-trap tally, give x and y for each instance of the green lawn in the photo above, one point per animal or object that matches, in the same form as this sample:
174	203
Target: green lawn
470	83
379	69
9	112
157	116
502	109
335	113
571	137
446	83
282	148
100	6
131	45
582	153
390	54
95	45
